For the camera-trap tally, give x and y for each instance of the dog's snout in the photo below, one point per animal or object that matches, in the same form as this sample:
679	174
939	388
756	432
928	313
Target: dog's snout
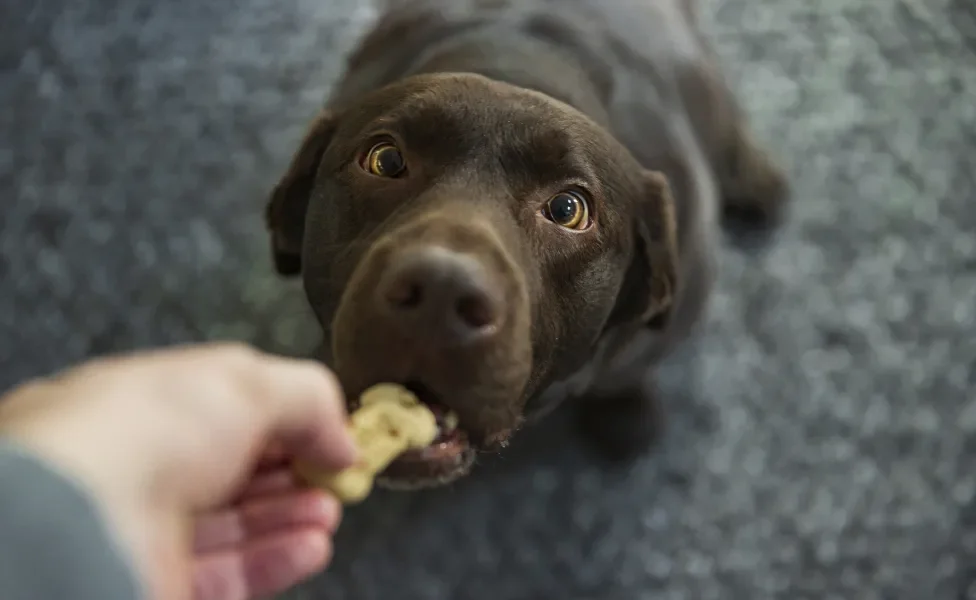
439	295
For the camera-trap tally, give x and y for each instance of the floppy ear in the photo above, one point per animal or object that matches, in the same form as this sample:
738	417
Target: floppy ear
285	213
649	284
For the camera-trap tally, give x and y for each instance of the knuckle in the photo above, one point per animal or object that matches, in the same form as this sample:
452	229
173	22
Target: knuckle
322	374
236	354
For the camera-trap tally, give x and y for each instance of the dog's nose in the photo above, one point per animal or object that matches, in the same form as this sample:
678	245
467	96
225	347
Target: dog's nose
439	295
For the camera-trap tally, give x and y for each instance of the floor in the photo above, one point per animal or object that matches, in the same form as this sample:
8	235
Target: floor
823	438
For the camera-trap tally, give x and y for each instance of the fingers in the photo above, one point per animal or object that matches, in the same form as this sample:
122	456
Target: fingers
261	568
266	516
267	484
264	546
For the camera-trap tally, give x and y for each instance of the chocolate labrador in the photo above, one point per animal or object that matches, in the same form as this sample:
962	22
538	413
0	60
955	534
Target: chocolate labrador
510	202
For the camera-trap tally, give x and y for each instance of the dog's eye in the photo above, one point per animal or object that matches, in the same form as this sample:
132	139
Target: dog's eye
385	160
569	210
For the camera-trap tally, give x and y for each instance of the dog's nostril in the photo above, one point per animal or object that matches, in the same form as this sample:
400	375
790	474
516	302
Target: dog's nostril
475	311
440	296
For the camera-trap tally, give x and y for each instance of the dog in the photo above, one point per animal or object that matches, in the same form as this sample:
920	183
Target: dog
506	204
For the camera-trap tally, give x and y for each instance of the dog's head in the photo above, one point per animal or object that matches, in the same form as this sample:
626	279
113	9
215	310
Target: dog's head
471	240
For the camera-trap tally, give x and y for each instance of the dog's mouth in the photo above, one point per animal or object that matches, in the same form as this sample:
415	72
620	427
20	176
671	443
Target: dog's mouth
451	439
447	457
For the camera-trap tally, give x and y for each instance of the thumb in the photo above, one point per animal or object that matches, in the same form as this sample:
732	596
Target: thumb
304	412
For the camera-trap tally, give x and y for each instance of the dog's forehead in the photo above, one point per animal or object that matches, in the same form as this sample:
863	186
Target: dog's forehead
470	106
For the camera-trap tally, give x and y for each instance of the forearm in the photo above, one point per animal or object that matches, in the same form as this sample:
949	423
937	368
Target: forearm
53	542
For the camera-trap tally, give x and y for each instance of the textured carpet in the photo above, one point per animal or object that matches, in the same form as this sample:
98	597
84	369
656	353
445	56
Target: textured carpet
823	439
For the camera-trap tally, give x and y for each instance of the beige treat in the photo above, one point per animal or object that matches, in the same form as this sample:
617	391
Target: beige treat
390	421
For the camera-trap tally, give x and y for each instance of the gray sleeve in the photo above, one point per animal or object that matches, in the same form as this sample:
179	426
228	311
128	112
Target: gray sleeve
53	542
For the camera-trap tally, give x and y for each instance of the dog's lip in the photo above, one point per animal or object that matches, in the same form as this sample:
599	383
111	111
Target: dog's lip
447	448
449	455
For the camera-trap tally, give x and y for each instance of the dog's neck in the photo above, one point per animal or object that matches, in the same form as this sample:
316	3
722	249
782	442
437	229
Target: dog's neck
536	62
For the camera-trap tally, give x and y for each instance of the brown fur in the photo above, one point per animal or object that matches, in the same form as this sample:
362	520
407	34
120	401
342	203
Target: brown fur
497	105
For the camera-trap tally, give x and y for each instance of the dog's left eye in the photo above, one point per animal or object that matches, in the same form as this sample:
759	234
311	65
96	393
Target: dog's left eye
385	160
568	209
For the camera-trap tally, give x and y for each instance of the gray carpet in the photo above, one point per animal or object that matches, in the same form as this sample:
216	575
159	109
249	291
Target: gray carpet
822	441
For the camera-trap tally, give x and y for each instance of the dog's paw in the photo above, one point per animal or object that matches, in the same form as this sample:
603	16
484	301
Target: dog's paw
621	420
755	195
761	212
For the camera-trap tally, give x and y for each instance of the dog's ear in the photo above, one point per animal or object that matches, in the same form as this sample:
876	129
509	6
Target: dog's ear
649	284
285	213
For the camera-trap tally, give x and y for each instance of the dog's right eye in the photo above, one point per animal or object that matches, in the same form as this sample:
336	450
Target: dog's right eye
384	160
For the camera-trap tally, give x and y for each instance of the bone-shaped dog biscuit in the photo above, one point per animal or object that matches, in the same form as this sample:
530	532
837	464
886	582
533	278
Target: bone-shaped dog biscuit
390	421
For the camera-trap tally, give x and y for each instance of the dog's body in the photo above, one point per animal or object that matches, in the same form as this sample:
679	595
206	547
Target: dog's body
491	103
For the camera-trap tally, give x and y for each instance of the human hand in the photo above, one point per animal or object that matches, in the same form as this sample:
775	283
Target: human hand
184	452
